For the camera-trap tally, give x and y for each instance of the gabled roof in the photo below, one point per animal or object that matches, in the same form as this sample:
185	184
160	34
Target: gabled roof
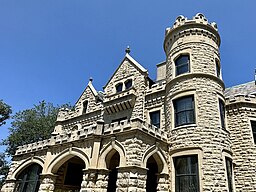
133	61
243	89
93	90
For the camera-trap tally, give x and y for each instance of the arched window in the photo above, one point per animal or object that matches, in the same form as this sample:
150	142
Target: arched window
112	166
151	183
28	179
182	64
128	84
119	87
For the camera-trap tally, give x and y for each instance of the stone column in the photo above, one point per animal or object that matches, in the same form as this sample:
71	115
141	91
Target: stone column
102	180
8	186
89	180
162	182
132	178
47	183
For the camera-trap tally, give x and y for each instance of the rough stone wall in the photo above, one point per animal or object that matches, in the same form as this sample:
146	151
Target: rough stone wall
243	147
126	71
93	103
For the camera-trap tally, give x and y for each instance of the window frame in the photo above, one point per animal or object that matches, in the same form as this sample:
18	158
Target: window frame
225	155
174	102
217	68
176	66
127	81
188	152
222	113
85	106
252	132
152	112
117	86
189	172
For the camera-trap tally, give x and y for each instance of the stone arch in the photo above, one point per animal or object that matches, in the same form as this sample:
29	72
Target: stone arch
67	154
25	164
158	156
108	151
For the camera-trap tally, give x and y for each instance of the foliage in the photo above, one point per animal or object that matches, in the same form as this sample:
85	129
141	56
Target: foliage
4	168
5	111
31	125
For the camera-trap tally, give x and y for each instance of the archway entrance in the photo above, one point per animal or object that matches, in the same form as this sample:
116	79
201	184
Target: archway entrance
28	179
70	175
112	165
151	184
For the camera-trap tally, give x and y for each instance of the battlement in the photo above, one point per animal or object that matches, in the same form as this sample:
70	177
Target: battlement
199	25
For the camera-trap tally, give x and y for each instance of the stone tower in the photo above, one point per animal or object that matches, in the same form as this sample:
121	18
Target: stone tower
195	102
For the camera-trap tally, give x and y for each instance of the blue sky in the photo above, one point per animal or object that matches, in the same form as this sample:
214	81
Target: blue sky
50	48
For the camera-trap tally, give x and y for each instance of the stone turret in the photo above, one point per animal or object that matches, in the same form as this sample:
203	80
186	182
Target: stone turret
195	114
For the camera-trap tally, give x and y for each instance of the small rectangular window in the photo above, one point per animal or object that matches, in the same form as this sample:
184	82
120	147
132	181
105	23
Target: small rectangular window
217	69
182	64
85	105
184	111
186	173
155	118
253	125
222	113
119	87
229	174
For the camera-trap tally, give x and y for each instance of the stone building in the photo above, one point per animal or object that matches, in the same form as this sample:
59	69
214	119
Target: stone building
183	132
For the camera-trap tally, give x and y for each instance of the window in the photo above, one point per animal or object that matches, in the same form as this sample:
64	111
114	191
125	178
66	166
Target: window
253	125
182	64
217	68
85	105
28	180
222	113
128	84
184	111
186	173
155	118
229	173
119	87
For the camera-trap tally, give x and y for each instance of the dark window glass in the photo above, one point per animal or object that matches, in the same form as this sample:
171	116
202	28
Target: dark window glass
155	118
113	172
119	87
222	113
85	104
182	64
152	172
74	175
253	125
217	69
128	84
28	180
186	174
184	111
229	174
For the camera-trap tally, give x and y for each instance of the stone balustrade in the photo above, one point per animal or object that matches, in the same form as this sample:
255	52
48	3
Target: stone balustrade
98	128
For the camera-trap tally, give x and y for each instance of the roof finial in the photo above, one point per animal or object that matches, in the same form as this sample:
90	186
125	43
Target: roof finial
127	50
90	79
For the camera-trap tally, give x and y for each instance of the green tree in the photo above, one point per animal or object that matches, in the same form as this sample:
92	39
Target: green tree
4	168
5	112
31	125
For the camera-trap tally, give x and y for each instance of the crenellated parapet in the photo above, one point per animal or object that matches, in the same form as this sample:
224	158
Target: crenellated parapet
198	26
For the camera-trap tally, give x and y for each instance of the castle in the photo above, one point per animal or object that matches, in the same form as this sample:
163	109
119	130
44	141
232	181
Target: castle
184	132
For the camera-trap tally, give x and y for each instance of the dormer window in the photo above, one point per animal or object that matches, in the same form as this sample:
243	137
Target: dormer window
85	105
128	84
119	87
182	64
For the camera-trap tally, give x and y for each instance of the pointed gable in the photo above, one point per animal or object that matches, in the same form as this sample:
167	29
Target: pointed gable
88	101
129	69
